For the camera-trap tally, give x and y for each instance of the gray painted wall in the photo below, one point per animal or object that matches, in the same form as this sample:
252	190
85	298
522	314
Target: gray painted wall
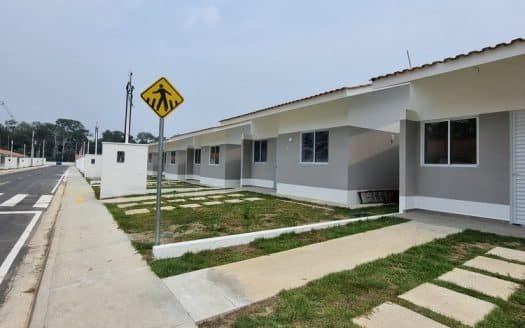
180	162
487	182
374	159
333	174
229	166
189	161
254	170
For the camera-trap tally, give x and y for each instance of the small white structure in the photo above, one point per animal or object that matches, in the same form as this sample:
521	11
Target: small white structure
24	162
93	166
124	169
37	161
10	163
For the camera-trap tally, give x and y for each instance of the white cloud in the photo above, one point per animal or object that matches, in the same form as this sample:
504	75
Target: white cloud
208	15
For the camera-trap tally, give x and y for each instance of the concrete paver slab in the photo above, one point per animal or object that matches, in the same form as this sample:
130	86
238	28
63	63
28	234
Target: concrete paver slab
127	199
149	202
203	193
484	284
393	315
126	205
181	200
253	199
190	205
137	211
504	268
198	198
215	202
216	196
233	201
167	208
508	253
463	308
259	278
235	195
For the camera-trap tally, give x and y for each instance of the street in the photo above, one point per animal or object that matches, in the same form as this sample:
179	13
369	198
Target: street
23	197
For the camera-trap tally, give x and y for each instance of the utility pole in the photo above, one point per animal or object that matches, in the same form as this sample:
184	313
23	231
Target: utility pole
129	105
32	146
96	139
44	148
11	150
24	150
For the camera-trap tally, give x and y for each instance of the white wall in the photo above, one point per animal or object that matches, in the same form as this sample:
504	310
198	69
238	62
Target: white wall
128	178
37	161
482	89
24	162
10	162
93	170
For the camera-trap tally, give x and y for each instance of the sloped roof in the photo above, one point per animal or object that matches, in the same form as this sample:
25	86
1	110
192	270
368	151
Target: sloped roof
449	59
8	153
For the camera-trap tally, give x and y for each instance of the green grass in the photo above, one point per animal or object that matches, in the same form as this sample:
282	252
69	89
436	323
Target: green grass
334	300
191	262
96	191
184	224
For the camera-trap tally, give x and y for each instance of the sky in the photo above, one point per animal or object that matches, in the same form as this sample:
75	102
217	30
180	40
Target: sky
71	58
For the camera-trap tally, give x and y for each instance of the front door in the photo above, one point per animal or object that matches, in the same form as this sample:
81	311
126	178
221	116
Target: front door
518	168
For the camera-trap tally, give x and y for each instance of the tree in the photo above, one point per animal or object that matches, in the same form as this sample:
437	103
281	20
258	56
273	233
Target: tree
72	134
146	138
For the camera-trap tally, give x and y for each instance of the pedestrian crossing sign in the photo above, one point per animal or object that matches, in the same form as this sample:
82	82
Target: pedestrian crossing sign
162	97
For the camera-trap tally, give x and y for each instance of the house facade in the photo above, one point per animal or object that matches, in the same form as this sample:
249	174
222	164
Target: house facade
462	136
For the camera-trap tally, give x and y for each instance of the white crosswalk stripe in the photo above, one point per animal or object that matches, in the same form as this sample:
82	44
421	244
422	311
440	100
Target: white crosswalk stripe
14	200
43	201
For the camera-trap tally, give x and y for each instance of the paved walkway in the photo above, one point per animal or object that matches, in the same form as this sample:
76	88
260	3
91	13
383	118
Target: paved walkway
94	278
210	292
466	222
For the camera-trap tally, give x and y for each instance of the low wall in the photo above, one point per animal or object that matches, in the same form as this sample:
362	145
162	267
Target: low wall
195	246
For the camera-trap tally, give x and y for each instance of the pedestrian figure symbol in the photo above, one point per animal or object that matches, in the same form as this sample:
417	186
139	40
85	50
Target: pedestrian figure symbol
162	97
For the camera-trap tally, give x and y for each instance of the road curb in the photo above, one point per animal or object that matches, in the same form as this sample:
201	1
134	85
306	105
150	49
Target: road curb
24	285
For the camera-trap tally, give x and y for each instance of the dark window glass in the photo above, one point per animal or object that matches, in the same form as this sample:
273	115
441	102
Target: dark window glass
92	161
214	155
436	143
463	149
121	156
257	151
150	157
260	150
264	150
321	146
197	156
173	157
307	144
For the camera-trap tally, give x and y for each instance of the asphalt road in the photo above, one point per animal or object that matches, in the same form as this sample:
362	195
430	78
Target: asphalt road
23	195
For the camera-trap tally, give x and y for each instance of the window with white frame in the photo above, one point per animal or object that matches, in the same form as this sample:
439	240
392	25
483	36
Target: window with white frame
197	156
260	151
173	157
451	142
214	155
314	147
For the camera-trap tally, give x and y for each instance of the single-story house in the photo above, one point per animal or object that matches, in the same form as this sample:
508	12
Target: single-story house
462	137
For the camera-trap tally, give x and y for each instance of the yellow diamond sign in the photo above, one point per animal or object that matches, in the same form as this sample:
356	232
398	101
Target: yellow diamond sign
162	97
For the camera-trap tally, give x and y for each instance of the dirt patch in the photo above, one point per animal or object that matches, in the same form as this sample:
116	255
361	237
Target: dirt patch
461	251
265	307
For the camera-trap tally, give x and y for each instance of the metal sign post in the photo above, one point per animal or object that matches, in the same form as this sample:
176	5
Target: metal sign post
159	181
162	98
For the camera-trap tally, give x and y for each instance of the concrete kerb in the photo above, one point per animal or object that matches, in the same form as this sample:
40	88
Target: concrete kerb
18	307
194	246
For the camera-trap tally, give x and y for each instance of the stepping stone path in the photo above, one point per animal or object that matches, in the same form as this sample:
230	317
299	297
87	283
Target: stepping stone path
393	315
235	195
253	199
481	283
137	211
127	205
167	208
450	303
233	201
215	202
198	198
463	308
190	205
176	200
216	196
149	203
509	254
504	268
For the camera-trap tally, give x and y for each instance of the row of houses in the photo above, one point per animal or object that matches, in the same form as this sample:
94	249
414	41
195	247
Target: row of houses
448	136
12	160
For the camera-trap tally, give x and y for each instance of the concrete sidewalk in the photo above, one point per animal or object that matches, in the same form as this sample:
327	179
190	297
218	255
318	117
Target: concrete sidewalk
93	276
211	292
